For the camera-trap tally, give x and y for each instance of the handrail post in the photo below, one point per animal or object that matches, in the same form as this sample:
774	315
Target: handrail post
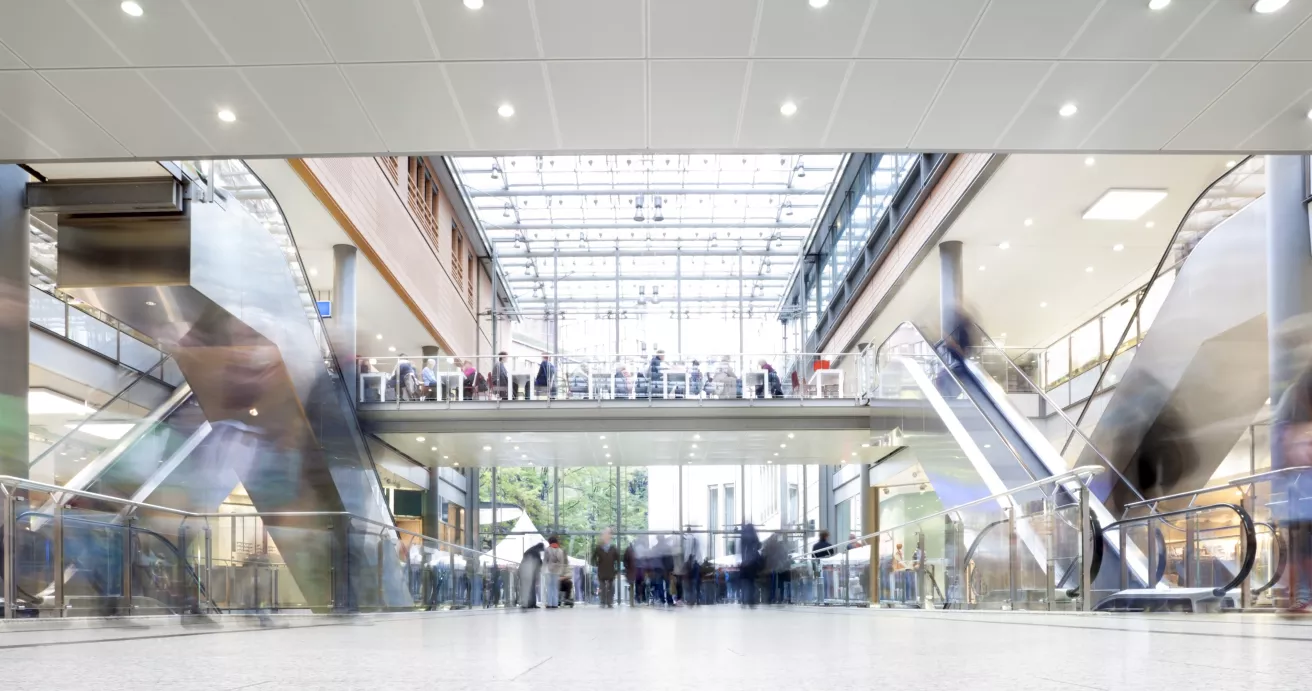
1087	547
57	557
1013	558
1050	516
10	545
128	562
1150	578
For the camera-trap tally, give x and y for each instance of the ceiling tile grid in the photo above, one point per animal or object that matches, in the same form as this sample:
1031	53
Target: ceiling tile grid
606	75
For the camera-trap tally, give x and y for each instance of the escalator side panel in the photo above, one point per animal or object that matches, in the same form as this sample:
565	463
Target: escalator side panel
1201	367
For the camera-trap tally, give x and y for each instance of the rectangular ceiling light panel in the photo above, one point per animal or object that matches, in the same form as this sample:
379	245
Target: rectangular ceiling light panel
1123	204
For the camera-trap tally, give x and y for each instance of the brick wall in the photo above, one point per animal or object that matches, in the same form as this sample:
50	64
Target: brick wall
412	252
925	226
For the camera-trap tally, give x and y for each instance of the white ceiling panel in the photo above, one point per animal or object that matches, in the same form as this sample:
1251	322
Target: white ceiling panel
723	28
1171	96
9	61
31	103
811	84
18	145
372	31
411	106
717	85
262	32
566	27
1230	30
796	30
920	28
150	129
200	93
167	34
1298	46
1287	131
1095	87
979	100
482	87
600	104
316	103
82	171
502	30
1128	30
864	118
53	34
1028	28
1265	93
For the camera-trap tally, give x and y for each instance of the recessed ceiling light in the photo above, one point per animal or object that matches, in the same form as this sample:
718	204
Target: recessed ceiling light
607	455
1123	204
507	438
255	412
1088	269
1068	110
1230	164
474	4
610	462
689	462
131	9
788	109
1150	224
605	446
530	462
505	110
446	458
1029	222
1309	115
487	448
853	453
419	439
1118	247
433	448
982	267
1090	161
698	437
391	349
1043	304
314	271
456	464
379	337
602	437
1269	6
783	446
776	453
1004	245
150	303
1158	4
818	3
866	445
694	446
227	115
524	456
692	455
768	462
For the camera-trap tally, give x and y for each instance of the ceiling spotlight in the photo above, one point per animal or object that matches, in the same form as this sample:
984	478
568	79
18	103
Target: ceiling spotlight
694	446
505	110
132	9
1268	6
776	453
790	435
783	446
507	438
769	462
487	448
788	109
1231	164
698	437
391	349
1088	269
981	267
817	3
610	463
446	458
433	448
227	115
1043	304
1309	115
524	456
865	445
692	455
378	337
1068	110
1118	247
602	437
1089	161
254	412
605	446
1158	4
1004	245
1029	222
1149	224
150	303
419	439
474	4
607	455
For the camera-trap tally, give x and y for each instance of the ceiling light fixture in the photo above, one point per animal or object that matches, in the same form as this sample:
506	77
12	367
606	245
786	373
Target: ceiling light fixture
1029	222
1090	161
456	464
487	448
1118	247
1150	224
227	115
1068	110
1123	204
1088	269
981	267
817	3
254	412
865	445
1043	304
391	349
790	435
150	303
131	9
434	448
1004	245
419	439
783	446
1158	4
1309	115
1269	6
1231	164
692	455
379	337
788	109
506	110
474	4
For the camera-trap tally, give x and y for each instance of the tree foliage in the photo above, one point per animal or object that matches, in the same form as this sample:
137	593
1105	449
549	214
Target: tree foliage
588	496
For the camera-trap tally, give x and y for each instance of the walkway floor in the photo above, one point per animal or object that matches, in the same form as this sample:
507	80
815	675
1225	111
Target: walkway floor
720	648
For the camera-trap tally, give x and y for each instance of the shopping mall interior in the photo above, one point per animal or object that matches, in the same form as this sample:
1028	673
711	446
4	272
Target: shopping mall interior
678	344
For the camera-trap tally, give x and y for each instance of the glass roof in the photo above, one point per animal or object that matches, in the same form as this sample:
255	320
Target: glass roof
581	233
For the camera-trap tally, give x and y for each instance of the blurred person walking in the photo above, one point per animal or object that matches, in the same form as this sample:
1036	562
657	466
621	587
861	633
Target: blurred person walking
1293	434
529	566
605	557
556	565
750	566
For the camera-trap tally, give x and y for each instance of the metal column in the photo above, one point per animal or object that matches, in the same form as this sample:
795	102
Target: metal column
15	241
1289	275
342	328
433	505
949	285
617	350
678	303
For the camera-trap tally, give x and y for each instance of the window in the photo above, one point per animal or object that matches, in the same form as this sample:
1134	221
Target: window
794	507
1086	346
1057	361
1113	325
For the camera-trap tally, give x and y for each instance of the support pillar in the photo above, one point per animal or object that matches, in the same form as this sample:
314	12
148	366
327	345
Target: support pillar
343	331
870	524
15	239
473	506
949	285
1289	271
433	505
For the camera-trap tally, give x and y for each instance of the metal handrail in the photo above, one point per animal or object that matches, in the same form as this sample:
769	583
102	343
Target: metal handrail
957	381
1143	298
1245	521
1075	474
1282	559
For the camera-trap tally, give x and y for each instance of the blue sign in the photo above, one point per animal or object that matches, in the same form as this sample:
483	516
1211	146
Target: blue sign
325	308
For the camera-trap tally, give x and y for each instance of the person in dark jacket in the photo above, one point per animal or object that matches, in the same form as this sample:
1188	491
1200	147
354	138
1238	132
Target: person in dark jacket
501	377
822	549
750	567
771	380
546	376
529	567
633	572
605	557
655	384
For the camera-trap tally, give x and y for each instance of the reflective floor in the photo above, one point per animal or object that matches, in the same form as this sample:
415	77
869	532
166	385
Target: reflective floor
710	648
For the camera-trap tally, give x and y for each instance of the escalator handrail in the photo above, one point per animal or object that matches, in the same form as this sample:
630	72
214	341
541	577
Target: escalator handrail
1282	559
957	381
1142	298
138	529
1052	405
1245	522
